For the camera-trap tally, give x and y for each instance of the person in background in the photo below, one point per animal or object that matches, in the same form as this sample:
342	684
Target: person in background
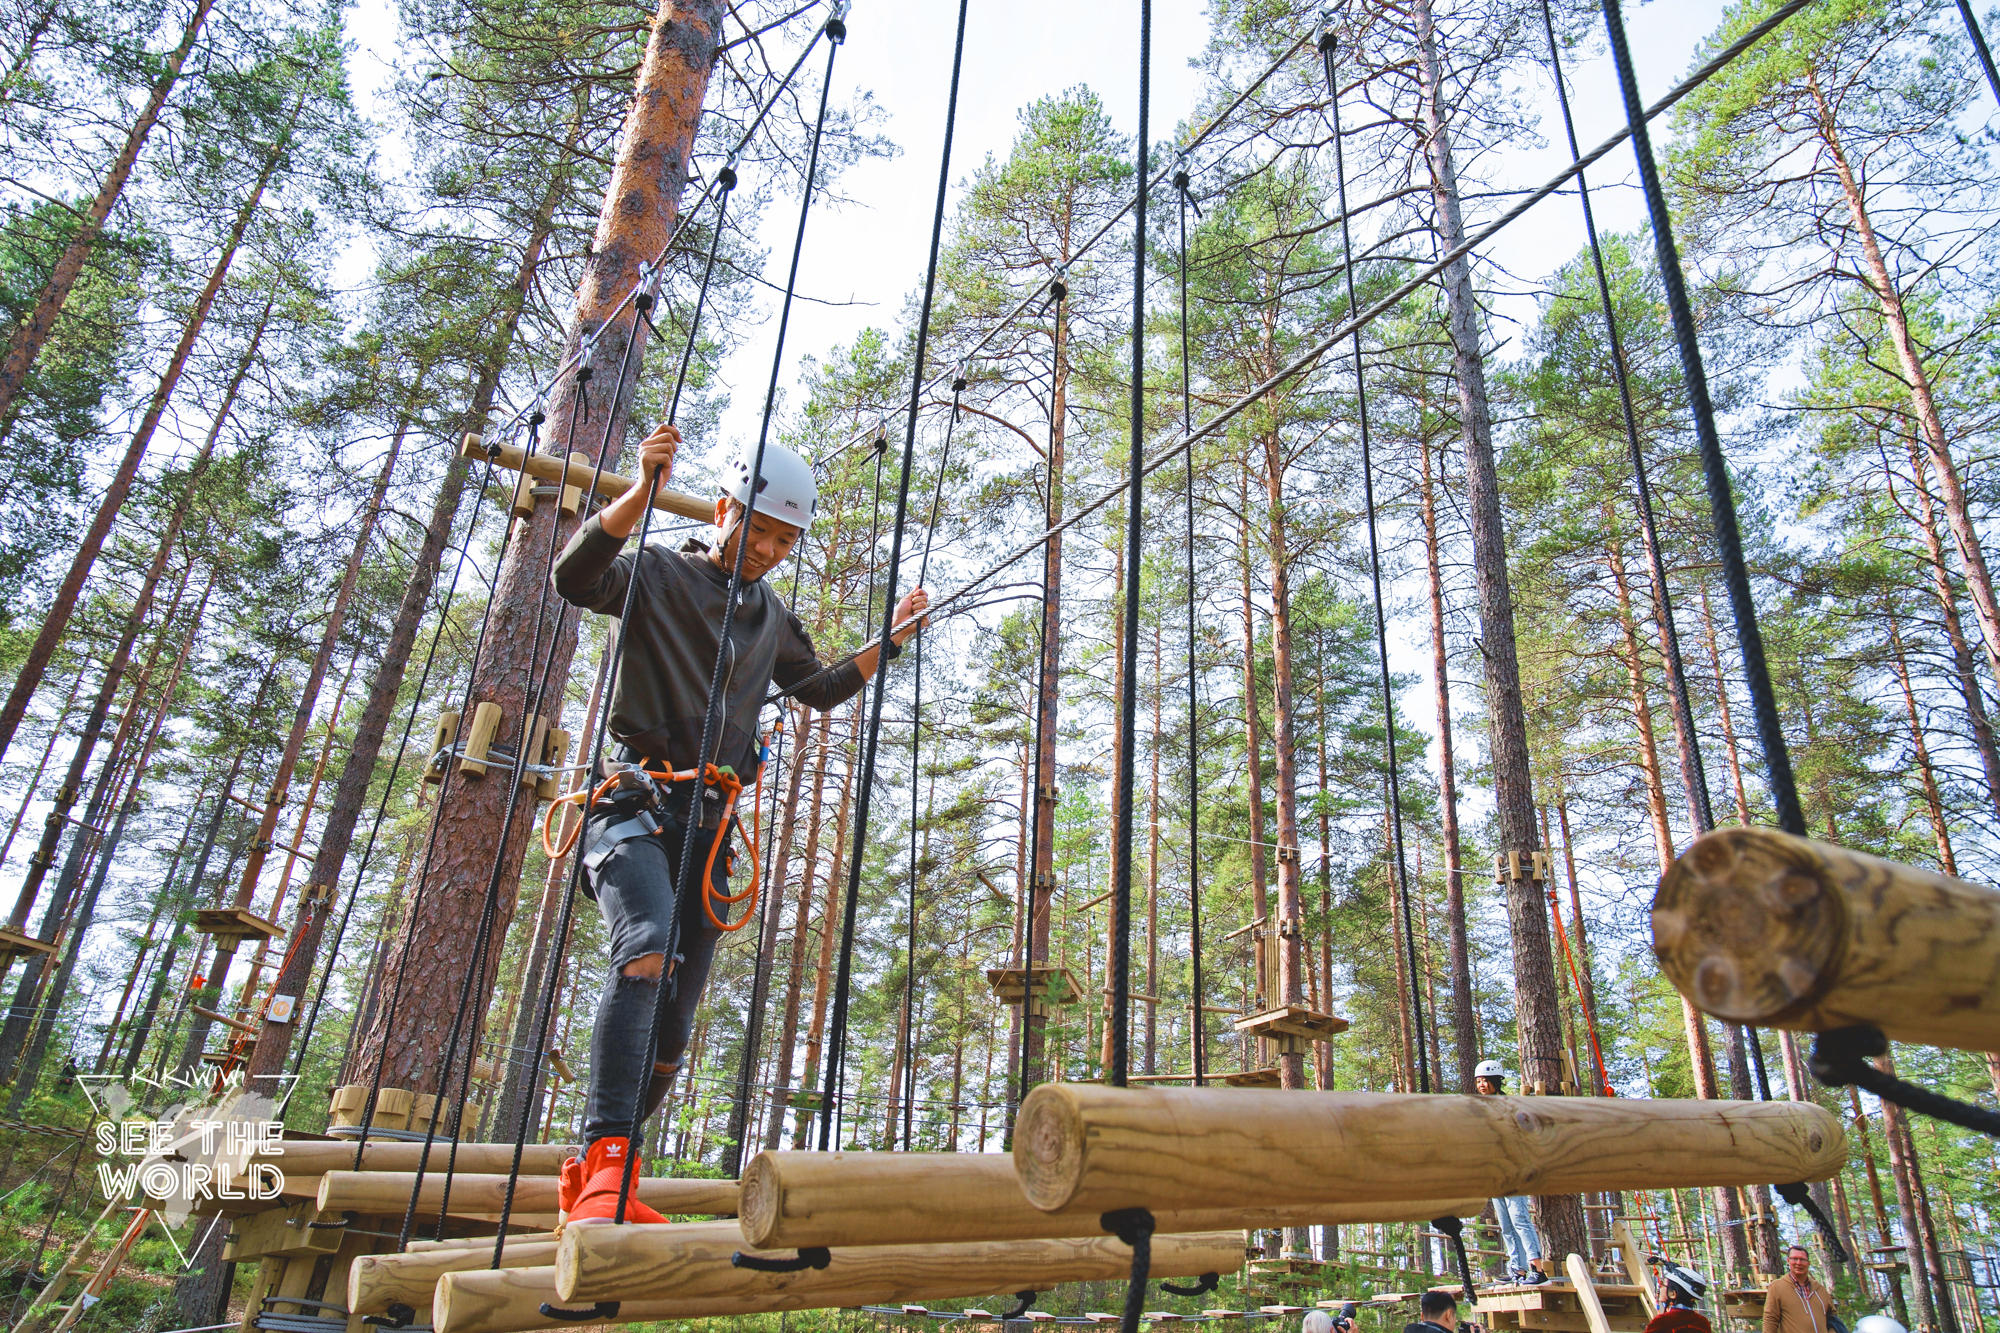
1517	1223
1438	1311
1316	1321
1680	1294
1796	1302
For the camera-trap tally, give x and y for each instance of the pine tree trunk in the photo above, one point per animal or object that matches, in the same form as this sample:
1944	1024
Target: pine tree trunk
1722	708
1465	1035
1284	744
1961	651
34	331
1041	900
1906	1206
828	917
1253	749
357	774
119	485
1153	866
1537	1014
795	967
1926	773
41	768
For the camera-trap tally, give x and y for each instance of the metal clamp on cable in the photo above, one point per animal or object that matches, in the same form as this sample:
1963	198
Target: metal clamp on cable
812	1256
601	1310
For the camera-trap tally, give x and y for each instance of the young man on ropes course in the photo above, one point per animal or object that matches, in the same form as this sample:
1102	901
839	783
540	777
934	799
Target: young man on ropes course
640	816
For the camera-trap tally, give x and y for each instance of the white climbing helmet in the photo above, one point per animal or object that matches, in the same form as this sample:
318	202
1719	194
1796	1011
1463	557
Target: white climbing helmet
1488	1069
785	486
1689	1281
1877	1323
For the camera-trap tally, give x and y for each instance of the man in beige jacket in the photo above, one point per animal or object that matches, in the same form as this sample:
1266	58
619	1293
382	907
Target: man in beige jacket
1796	1303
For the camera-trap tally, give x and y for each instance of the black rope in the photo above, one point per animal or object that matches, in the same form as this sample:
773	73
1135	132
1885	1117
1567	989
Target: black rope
1329	48
1799	1195
1198	1021
810	1256
908	1055
1979	45
1206	1283
1454	1229
718	703
1134	1226
592	744
837	1054
1120	978
397	1315
601	1310
1022	1300
1714	466
1841	1057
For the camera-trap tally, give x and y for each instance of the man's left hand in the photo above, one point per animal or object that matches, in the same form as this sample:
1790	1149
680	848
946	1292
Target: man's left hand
914	603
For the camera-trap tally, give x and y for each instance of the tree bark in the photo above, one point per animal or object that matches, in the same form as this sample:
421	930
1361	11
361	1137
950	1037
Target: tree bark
1722	708
795	967
34	331
828	917
1253	747
1465	1035
1537	1015
1041	886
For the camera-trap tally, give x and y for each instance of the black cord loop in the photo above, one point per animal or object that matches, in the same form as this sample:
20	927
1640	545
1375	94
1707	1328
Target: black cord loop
601	1310
1024	1299
1455	1229
810	1256
1207	1283
1134	1226
399	1316
1840	1058
1800	1196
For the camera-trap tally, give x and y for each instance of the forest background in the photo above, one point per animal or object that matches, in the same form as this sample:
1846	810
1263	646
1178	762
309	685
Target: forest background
307	249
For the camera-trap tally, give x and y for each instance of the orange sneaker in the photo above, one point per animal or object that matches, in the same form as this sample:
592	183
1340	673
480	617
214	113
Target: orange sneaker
603	1170
569	1183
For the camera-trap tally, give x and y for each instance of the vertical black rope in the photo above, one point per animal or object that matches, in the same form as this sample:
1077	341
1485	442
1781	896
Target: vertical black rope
1198	1021
1714	466
591	744
1128	706
1979	45
837	1055
718	703
1329	47
908	1055
1696	778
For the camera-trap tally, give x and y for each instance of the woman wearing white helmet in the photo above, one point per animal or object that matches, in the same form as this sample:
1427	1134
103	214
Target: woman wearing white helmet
1517	1222
1681	1290
632	839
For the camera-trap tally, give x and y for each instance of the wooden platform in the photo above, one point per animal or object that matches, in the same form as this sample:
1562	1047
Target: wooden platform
1742	1302
1555	1305
14	943
235	923
1252	1078
1040	985
1291	1026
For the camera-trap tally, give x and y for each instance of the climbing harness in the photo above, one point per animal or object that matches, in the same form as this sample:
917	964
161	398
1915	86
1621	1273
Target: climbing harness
642	792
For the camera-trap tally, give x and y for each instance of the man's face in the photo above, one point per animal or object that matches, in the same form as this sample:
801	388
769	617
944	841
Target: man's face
770	540
1488	1087
1796	1261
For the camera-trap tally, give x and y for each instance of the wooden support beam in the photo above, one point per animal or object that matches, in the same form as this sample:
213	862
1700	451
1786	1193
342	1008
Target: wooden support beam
574	473
482	1194
1086	1148
691	1263
1757	926
1636	1266
894	1198
1586	1294
377	1281
224	1019
310	1157
479	739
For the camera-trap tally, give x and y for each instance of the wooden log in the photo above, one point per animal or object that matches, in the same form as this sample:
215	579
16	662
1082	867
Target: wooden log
442	735
1586	1294
549	786
573	473
480	1194
862	1198
691	1262
572	496
377	1281
509	1299
1087	1147
317	1157
460	1242
479	739
1757	926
